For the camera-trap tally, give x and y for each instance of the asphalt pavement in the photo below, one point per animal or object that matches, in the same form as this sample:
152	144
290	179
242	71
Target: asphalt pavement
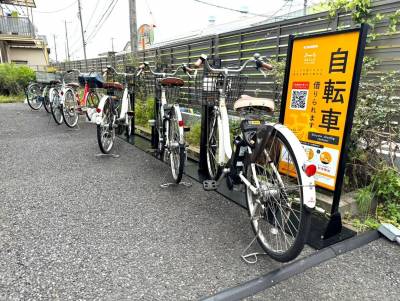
74	225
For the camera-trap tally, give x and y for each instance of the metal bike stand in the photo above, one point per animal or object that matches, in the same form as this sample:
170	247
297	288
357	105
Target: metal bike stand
107	155
249	255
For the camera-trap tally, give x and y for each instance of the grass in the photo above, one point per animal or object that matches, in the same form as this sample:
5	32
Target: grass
12	98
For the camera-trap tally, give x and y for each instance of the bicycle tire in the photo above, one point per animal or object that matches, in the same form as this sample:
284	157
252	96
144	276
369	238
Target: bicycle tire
92	102
275	220
69	109
178	151
108	130
56	106
213	168
47	103
32	96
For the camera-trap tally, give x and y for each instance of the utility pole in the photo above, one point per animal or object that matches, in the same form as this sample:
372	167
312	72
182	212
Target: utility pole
83	34
305	7
133	25
66	37
112	44
55	47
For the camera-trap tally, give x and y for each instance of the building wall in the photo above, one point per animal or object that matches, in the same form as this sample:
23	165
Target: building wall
33	56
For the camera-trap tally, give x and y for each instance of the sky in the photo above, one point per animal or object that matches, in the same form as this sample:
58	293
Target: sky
171	17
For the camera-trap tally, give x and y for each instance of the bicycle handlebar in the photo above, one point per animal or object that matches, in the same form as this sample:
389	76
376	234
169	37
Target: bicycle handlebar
182	67
112	69
257	58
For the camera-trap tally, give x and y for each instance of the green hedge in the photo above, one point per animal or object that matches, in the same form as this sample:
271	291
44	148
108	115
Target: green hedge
14	78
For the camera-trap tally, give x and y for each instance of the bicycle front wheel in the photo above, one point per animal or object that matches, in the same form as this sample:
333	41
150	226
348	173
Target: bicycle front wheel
69	109
56	106
277	212
177	150
212	146
106	130
34	96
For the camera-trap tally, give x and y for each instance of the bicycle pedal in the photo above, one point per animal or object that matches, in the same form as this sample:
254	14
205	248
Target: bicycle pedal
210	185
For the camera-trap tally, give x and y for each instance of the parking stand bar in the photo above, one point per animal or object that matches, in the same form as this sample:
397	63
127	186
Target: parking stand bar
261	283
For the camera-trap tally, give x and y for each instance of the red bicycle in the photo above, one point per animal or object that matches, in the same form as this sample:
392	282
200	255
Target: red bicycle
75	106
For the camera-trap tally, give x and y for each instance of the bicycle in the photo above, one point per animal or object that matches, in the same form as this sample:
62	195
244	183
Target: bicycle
267	159
60	94
169	125
73	107
112	112
37	93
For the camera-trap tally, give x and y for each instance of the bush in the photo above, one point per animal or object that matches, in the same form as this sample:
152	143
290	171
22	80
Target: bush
14	78
193	136
144	111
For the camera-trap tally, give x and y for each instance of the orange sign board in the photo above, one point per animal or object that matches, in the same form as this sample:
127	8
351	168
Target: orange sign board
318	98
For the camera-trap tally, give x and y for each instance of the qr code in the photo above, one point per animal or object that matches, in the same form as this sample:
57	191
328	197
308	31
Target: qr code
299	99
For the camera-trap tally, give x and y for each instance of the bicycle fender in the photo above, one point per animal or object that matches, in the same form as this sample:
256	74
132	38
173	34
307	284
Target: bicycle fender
97	117
179	118
309	196
263	135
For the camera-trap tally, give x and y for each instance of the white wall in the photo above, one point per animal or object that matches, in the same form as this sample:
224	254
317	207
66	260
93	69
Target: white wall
34	56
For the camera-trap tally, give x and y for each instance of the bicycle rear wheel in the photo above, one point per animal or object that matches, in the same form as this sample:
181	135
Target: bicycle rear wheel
69	109
56	106
34	96
277	212
212	147
177	150
105	130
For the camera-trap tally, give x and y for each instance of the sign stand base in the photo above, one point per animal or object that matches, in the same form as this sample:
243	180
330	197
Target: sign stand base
334	225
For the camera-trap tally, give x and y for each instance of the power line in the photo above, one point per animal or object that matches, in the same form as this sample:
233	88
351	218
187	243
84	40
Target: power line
230	9
58	10
101	18
150	12
104	19
92	15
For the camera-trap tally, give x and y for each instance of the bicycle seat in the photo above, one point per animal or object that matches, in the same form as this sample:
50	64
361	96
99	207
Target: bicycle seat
246	101
172	82
73	85
113	85
55	82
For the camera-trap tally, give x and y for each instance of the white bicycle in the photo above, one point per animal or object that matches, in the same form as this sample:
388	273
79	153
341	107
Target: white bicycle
169	126
64	92
113	112
267	158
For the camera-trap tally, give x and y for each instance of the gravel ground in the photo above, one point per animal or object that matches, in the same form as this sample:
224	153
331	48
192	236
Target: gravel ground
369	273
77	226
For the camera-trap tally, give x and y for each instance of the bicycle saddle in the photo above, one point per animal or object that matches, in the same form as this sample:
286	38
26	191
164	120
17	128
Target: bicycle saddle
55	82
113	85
246	101
172	82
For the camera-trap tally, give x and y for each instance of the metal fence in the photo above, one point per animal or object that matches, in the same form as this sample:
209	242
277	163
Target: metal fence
16	26
270	39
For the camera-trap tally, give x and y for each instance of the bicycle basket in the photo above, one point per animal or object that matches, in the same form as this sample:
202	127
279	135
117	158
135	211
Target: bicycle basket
47	77
207	88
94	80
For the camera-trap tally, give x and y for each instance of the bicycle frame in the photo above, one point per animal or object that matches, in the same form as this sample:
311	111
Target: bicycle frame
97	116
175	107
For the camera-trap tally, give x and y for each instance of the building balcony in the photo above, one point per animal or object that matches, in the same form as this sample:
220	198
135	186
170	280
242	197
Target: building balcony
16	26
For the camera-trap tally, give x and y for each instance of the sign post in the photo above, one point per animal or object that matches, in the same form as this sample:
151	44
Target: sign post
318	102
